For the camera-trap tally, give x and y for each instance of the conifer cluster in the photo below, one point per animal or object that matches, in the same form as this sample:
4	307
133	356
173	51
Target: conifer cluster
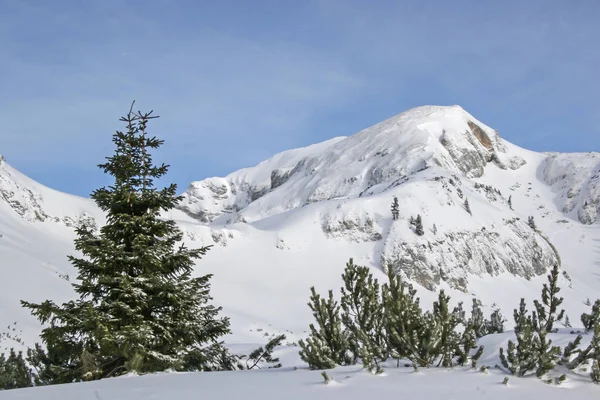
375	323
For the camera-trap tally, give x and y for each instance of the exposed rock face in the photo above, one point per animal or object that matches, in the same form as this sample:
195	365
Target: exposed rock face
486	242
21	199
470	159
29	203
575	178
480	134
279	177
353	228
454	256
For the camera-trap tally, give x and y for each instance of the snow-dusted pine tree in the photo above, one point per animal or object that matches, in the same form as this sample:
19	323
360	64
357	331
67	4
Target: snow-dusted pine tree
477	321
403	318
14	371
362	315
445	323
534	349
496	322
139	308
591	323
591	320
531	223
547	311
327	345
520	358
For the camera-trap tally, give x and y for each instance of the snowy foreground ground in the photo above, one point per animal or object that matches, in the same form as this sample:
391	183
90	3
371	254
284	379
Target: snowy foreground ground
348	383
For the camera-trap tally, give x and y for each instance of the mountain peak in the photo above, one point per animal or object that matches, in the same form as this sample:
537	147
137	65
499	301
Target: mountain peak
444	137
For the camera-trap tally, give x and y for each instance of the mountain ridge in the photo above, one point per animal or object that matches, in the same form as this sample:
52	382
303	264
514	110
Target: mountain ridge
292	221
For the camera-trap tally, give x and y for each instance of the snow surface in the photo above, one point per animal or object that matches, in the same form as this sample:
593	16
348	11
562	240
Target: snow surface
293	221
348	383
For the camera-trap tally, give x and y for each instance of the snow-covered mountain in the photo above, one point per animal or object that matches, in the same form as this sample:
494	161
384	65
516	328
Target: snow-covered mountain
294	220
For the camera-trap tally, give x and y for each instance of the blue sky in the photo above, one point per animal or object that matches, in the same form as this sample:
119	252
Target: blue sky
237	81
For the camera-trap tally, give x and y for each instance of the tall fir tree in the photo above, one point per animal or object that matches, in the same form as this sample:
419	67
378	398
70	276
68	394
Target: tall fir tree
139	308
395	208
531	223
510	202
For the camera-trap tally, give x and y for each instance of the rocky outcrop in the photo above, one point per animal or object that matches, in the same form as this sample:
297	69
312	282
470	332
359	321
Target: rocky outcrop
454	256
21	199
353	228
471	159
481	136
28	202
575	179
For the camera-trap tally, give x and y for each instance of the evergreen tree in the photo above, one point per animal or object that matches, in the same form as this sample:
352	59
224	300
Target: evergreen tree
534	349
522	357
395	208
496	322
435	230
265	354
327	345
444	324
547	355
403	319
531	223
547	311
595	374
510	202
362	315
14	372
467	206
468	340
419	226
139	309
589	321
477	322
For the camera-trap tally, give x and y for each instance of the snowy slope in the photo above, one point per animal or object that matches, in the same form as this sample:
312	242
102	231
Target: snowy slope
348	383
293	221
447	137
576	179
